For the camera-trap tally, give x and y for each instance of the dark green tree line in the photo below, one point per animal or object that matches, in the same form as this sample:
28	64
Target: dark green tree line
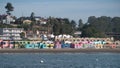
101	27
62	25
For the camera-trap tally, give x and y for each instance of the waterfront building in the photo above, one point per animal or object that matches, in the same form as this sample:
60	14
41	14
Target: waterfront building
10	33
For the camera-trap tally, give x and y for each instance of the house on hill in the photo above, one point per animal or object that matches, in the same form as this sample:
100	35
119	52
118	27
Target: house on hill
7	19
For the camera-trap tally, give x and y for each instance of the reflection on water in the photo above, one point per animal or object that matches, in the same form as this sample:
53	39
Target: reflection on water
60	60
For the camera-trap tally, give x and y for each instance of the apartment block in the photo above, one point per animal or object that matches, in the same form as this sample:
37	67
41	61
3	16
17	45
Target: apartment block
10	33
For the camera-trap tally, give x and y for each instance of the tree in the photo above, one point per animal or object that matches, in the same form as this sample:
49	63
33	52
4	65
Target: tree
22	35
90	31
73	23
92	20
116	24
61	25
32	16
66	20
102	24
80	25
9	8
116	27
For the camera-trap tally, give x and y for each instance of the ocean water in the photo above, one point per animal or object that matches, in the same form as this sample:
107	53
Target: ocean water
60	60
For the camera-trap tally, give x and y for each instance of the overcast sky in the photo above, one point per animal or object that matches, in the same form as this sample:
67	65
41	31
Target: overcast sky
72	9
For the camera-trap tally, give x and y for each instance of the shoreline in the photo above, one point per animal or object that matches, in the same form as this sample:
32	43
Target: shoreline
66	50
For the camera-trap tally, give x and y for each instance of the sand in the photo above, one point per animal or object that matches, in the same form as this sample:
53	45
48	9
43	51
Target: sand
66	50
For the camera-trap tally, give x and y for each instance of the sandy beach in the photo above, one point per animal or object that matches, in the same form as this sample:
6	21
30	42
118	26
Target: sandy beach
59	50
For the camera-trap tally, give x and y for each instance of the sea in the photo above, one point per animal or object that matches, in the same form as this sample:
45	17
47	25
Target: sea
59	60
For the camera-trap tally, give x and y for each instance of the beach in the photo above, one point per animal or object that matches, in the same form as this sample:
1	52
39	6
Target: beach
65	50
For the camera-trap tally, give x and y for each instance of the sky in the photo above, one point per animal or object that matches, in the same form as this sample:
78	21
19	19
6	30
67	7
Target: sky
71	9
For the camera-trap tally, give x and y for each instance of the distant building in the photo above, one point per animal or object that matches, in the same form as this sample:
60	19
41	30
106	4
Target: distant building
35	35
10	33
27	21
77	33
3	18
6	19
43	22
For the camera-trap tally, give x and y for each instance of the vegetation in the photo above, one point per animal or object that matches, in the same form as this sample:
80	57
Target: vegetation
7	26
61	26
101	26
9	8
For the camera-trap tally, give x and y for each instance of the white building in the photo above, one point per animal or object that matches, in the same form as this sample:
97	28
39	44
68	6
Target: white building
8	20
10	33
